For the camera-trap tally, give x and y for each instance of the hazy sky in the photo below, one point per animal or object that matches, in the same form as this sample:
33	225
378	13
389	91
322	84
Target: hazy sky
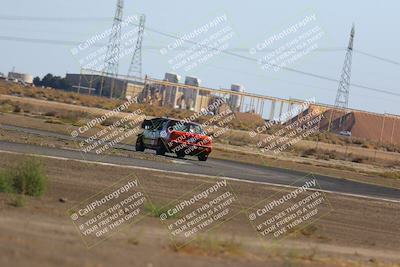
251	23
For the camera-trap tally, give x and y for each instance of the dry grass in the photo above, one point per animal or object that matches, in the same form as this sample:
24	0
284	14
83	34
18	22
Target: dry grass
394	174
243	121
133	241
336	149
327	155
308	231
210	246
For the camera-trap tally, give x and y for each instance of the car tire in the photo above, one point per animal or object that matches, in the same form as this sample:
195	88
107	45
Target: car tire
203	157
180	155
139	145
161	150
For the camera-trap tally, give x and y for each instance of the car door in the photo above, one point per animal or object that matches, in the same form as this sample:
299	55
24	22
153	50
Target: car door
152	134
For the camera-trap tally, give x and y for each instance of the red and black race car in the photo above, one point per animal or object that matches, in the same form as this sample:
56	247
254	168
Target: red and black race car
174	136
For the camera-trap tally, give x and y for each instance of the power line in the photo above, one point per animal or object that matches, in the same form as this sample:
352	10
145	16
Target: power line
310	74
64	42
54	19
378	57
149	47
80	19
281	67
42	41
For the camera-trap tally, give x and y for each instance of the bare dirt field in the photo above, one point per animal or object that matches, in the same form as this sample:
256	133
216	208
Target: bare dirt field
355	231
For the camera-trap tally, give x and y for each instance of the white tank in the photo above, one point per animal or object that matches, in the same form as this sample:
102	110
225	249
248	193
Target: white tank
234	99
190	95
172	77
171	92
191	80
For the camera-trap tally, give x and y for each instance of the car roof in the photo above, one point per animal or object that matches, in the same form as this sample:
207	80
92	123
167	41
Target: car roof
176	120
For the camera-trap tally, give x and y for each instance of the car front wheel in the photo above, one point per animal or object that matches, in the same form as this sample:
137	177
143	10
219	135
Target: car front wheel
161	150
180	154
139	145
203	157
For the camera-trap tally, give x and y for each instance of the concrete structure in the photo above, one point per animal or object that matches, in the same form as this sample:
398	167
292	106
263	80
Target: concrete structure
190	94
248	102
234	100
115	87
21	77
133	89
381	128
171	94
172	77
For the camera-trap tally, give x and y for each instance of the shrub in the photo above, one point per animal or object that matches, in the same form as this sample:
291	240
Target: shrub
323	156
333	154
6	107
51	114
156	210
18	201
53	121
5	182
308	152
391	174
109	121
309	230
27	177
73	116
358	160
133	241
17	108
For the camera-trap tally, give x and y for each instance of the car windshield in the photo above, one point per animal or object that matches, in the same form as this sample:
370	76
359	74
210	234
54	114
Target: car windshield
187	127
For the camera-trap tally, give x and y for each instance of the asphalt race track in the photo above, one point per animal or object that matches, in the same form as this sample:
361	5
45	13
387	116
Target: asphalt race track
215	167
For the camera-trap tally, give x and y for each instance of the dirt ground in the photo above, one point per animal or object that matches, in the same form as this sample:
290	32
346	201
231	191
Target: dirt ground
355	231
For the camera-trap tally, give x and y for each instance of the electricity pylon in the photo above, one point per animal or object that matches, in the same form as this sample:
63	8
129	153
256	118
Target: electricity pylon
342	96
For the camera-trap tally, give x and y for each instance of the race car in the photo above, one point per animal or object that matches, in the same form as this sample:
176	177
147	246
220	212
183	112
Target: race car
174	136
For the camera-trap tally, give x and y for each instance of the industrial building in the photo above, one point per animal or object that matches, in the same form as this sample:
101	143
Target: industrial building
103	85
24	78
189	95
170	92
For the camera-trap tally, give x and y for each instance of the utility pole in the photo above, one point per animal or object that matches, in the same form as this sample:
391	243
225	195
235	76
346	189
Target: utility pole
114	46
342	96
135	68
